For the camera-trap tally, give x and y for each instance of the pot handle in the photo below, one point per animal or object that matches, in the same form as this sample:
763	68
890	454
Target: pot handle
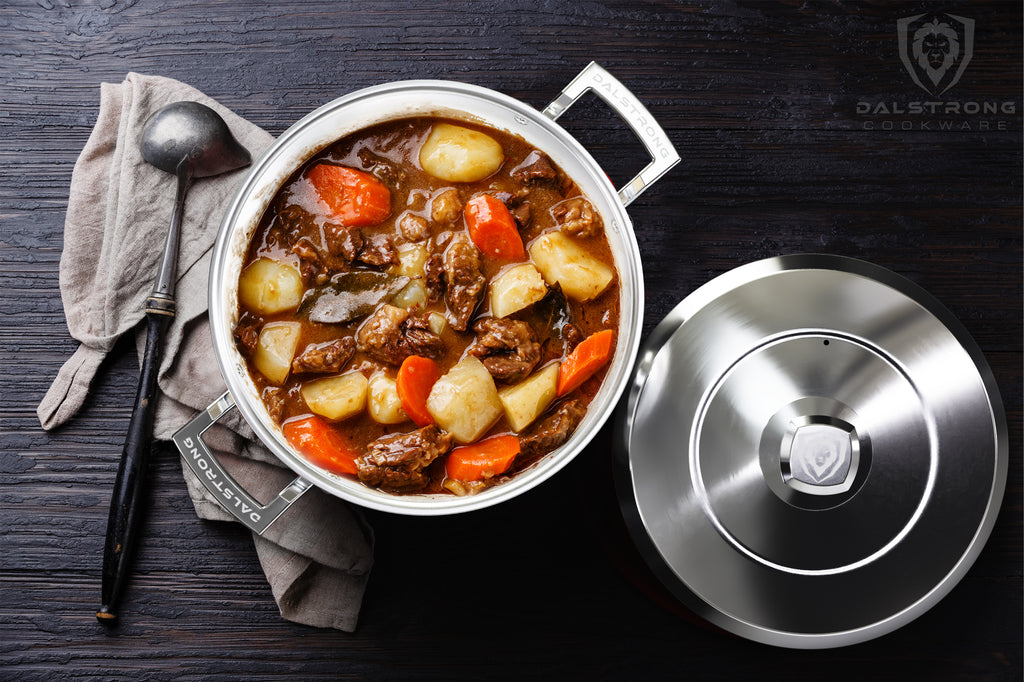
629	108
257	517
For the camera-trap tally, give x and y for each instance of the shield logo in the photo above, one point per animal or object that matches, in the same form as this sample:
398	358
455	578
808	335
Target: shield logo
935	49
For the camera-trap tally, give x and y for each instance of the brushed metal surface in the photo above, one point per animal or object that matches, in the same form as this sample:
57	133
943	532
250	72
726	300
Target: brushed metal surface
812	452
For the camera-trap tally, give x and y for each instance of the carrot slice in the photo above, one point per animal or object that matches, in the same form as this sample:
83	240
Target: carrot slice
416	377
485	459
493	229
322	445
356	198
584	360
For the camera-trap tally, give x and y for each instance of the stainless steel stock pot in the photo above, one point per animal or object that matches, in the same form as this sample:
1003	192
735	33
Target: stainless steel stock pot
358	110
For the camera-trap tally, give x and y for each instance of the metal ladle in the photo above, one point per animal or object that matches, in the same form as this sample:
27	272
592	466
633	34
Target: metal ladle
191	141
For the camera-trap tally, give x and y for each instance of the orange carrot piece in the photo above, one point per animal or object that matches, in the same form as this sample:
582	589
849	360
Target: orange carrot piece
416	377
356	198
584	360
322	445
493	229
485	459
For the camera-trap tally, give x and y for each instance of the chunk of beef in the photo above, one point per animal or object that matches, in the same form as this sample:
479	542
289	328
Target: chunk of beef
446	207
274	398
391	334
419	339
577	217
321	358
398	462
291	223
553	430
346	242
536	167
385	171
315	265
508	348
380	334
571	337
518	205
312	267
464	281
414	228
523	214
433	275
277	236
378	250
306	250
247	332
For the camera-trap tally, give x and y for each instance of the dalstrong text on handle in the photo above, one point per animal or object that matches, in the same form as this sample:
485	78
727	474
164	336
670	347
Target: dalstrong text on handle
215	481
209	471
631	107
625	104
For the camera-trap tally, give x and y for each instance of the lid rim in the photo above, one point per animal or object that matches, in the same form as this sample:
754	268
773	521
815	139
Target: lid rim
626	474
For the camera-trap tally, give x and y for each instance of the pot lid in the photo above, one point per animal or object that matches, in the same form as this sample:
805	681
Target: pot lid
813	451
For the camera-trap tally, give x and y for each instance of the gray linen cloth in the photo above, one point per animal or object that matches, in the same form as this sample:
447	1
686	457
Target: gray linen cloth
317	556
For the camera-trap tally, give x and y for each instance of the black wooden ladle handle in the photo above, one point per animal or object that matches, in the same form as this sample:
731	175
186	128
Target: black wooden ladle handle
131	475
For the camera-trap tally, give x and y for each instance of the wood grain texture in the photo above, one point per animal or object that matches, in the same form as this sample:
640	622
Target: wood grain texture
761	100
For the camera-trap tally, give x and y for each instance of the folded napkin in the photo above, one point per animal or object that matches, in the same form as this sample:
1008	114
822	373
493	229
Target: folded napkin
317	556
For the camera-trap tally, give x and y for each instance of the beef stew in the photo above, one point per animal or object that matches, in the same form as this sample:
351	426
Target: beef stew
428	305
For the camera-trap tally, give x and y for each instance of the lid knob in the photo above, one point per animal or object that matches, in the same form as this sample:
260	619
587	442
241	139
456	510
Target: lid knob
820	455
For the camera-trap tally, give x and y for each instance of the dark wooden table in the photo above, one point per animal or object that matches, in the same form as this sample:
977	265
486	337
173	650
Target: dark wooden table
795	124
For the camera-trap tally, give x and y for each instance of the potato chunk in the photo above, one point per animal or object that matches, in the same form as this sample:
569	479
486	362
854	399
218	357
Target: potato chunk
275	350
525	401
411	258
338	397
515	289
464	402
268	286
456	154
562	260
414	294
437	323
382	401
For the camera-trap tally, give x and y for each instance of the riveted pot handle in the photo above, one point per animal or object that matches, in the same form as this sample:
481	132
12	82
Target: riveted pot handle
627	106
219	482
